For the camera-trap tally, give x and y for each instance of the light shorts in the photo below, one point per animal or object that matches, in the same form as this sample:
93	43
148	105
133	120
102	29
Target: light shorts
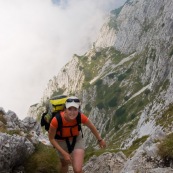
80	144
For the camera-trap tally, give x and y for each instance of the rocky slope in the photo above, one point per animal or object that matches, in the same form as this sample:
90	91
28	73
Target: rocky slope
17	140
125	83
126	79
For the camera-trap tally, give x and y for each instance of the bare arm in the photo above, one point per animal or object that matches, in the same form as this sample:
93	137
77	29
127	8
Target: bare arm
93	129
52	133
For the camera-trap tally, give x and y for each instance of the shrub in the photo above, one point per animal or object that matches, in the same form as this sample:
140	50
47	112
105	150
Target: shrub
2	119
81	68
111	75
165	148
132	116
138	142
99	82
121	77
147	91
120	111
119	116
112	102
129	70
58	92
88	107
90	151
88	75
12	132
44	159
171	52
100	105
126	98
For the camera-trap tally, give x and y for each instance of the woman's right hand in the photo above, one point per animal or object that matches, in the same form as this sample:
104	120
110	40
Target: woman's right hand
67	157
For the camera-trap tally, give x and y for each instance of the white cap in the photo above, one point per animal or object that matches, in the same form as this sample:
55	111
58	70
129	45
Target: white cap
73	103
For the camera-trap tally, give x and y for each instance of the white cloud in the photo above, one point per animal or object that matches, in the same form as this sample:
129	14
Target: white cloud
37	38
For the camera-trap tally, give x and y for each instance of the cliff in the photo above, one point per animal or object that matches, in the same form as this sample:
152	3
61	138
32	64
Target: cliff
125	83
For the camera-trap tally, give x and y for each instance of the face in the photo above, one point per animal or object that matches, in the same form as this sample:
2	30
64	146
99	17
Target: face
71	113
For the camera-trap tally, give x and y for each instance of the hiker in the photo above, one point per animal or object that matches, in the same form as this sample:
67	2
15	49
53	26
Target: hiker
76	157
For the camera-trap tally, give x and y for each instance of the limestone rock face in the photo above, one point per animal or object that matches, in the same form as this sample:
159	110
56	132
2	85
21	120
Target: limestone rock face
14	149
139	71
107	162
140	20
17	139
107	36
69	79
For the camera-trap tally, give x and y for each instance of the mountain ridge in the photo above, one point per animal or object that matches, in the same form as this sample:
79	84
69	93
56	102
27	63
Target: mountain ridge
125	80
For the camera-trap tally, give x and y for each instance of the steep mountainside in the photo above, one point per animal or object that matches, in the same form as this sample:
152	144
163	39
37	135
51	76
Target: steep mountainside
125	81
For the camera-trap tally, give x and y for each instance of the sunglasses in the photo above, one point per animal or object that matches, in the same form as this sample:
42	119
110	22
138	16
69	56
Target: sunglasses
72	100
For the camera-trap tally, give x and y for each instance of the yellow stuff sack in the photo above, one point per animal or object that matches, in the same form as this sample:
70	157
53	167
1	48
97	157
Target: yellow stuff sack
57	103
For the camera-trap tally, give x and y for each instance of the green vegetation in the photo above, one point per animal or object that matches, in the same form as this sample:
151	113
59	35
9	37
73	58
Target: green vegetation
2	127
112	102
117	11
58	92
12	132
111	75
121	77
166	118
111	147
121	133
160	87
115	55
165	148
152	54
146	25
2	119
34	105
147	91
129	2
120	116
97	61
44	159
91	152
166	84
129	111
171	52
100	105
113	97
88	107
113	23
136	144
107	96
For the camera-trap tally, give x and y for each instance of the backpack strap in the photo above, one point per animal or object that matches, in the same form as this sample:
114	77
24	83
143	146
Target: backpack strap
78	119
59	119
71	146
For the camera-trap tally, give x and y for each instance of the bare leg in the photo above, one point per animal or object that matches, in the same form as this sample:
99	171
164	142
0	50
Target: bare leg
77	160
64	166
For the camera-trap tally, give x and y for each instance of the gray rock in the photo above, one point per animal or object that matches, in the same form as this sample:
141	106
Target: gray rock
13	151
107	163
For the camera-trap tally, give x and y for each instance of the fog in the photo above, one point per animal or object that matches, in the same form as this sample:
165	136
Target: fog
37	38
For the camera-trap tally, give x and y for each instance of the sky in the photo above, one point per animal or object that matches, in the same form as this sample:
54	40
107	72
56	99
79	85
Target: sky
37	38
